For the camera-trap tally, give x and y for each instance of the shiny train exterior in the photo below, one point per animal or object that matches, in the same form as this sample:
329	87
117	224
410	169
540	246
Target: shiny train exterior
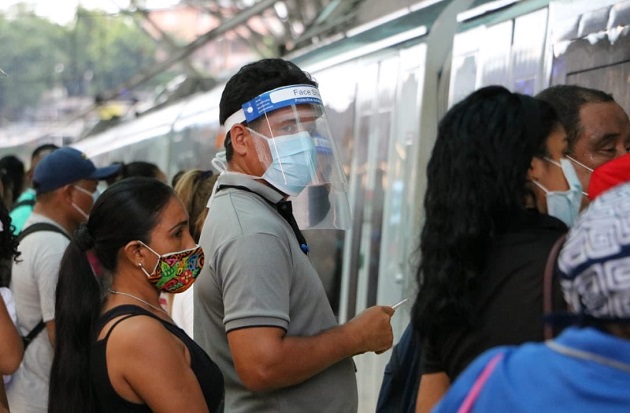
386	83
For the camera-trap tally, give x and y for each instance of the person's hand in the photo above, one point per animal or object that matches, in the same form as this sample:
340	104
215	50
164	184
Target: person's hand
372	329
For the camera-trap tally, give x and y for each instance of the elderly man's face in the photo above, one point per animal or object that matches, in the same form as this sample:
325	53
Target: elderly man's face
605	135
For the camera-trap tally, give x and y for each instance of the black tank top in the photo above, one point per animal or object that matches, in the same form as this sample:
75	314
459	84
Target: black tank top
207	373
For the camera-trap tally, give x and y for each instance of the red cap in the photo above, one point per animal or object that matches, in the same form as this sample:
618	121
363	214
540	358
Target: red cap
609	175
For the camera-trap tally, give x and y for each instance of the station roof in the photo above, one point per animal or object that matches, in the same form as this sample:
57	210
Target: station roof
290	23
271	28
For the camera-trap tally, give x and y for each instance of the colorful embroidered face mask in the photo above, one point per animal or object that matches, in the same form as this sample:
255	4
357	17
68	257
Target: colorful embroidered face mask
176	271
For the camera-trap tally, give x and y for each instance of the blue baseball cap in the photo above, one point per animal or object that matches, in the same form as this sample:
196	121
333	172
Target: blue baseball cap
67	165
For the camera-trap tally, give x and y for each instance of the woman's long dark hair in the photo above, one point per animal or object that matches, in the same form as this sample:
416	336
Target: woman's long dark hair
126	211
8	241
8	246
476	185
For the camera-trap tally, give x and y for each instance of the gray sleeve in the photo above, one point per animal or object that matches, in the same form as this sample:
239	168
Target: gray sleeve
255	272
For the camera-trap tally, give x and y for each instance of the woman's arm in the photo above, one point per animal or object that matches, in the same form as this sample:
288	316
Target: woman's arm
11	347
432	387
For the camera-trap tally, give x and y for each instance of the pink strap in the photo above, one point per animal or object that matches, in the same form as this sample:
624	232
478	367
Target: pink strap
472	395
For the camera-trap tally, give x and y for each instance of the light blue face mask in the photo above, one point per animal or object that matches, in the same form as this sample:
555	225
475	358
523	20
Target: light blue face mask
294	162
564	205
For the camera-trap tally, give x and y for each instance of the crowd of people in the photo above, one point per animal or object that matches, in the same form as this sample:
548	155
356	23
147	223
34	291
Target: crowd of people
199	295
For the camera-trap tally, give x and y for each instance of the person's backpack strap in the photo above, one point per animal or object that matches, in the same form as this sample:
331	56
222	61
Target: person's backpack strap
25	202
41	226
548	284
33	333
38	227
284	208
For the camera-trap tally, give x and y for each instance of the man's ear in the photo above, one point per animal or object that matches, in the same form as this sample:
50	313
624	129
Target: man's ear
239	138
66	193
536	169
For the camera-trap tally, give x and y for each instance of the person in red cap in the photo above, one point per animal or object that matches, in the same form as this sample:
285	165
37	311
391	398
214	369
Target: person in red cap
608	176
65	183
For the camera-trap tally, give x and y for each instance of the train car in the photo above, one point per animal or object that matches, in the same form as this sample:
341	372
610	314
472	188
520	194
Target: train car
386	83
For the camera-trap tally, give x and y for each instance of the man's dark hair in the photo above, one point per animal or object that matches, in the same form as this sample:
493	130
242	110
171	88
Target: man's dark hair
567	100
134	169
254	79
12	173
47	147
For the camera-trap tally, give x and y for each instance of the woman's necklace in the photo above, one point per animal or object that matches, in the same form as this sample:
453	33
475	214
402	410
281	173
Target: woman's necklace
139	299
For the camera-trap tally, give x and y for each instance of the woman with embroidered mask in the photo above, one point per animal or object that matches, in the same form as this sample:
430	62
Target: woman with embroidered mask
488	232
117	350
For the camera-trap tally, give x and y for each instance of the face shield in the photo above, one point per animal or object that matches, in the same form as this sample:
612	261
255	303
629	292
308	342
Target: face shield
297	153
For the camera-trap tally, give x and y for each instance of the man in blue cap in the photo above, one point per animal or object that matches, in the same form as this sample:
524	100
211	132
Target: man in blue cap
65	182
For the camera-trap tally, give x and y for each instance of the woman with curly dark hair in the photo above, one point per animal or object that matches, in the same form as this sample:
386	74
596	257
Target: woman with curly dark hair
496	176
11	348
8	246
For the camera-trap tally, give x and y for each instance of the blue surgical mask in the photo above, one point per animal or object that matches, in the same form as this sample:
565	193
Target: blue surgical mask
564	205
294	161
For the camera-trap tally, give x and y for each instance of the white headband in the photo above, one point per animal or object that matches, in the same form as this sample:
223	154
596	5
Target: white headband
233	119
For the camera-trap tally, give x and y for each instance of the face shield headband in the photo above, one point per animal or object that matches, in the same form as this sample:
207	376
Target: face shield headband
293	141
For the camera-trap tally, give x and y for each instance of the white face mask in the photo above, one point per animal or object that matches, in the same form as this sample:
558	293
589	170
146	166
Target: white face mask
583	166
80	211
564	205
94	195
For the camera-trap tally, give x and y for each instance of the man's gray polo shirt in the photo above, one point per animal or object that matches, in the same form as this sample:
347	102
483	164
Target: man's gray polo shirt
255	274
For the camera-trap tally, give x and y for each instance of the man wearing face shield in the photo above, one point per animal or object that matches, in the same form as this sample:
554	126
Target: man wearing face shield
260	310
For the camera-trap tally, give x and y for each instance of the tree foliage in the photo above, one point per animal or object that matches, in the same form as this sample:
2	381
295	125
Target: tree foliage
91	55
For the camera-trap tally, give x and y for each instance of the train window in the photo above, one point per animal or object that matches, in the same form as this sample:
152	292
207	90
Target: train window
396	278
465	64
527	52
495	55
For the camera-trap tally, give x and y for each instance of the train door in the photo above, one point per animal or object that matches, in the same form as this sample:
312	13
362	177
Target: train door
376	264
338	88
400	231
376	92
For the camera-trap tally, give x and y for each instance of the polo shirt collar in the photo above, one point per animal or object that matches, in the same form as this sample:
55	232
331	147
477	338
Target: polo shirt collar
249	182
